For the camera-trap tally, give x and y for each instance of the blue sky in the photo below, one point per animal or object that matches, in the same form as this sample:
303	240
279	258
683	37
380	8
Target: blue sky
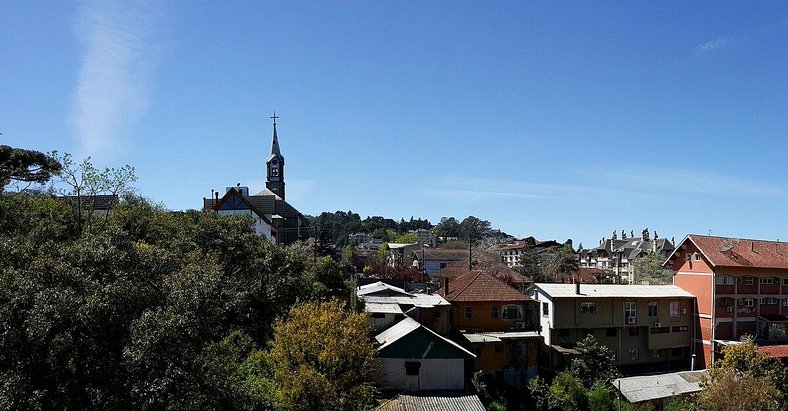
553	119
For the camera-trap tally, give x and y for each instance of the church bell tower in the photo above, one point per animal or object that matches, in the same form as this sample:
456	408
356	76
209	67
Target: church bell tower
275	165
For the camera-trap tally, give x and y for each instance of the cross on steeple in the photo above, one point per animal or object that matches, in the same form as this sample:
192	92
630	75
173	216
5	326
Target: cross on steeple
274	117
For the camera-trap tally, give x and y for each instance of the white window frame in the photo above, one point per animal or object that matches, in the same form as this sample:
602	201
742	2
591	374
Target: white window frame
545	310
675	309
766	280
748	302
724	280
749	280
630	309
520	314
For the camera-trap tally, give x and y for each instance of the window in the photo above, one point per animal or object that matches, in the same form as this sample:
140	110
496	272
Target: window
724	302
545	309
659	330
468	312
652	309
612	332
588	308
680	329
767	280
633	331
785	302
687	257
747	302
785	281
675	309
633	355
697	256
769	300
630	312
749	280
494	312
724	280
654	354
512	312
522	350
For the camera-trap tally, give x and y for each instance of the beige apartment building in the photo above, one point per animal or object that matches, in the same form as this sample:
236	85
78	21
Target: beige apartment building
641	325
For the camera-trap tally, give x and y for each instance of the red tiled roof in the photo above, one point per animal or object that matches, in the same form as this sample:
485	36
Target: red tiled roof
730	252
479	286
775	351
499	270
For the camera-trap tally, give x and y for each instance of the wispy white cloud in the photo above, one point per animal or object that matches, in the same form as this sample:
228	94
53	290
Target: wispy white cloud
689	182
117	67
712	45
602	186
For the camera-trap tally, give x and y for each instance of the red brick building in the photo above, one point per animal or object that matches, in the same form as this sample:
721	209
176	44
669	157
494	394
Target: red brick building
741	287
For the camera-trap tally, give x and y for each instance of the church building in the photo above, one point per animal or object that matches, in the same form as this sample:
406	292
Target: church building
273	217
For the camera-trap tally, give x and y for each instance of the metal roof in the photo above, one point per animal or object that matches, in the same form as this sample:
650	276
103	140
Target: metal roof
434	401
396	295
611	290
405	327
483	337
383	308
652	387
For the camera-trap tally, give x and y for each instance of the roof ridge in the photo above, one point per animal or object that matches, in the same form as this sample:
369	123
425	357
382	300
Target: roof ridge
469	282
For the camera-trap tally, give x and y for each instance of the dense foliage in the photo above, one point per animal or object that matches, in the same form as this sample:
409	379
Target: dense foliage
151	310
26	166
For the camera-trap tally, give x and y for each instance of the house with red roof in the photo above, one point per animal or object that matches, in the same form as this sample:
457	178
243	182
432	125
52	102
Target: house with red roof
741	287
496	322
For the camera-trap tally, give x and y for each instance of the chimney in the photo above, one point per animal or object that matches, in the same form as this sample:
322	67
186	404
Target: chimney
445	286
577	288
752	246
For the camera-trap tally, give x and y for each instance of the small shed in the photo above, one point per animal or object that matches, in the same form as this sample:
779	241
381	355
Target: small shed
415	358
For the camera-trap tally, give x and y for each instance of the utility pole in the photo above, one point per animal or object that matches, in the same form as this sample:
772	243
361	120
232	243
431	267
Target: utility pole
470	253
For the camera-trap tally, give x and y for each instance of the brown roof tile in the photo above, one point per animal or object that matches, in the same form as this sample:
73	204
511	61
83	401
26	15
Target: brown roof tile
730	252
480	286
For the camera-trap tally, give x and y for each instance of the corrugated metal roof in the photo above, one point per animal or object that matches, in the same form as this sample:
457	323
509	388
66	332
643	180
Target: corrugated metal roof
407	326
396	295
651	387
434	401
480	338
483	337
611	290
383	308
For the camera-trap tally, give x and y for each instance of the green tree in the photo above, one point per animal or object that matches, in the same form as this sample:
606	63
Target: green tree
447	227
321	358
566	392
648	269
539	391
600	397
530	265
408	238
561	263
28	166
594	363
745	360
728	391
473	228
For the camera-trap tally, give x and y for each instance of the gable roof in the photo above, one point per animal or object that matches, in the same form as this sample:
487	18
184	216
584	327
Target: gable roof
409	339
610	290
434	401
498	270
480	286
652	387
382	293
441	254
234	200
734	252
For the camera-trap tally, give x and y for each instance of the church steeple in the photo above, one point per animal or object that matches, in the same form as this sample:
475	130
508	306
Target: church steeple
275	144
275	165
